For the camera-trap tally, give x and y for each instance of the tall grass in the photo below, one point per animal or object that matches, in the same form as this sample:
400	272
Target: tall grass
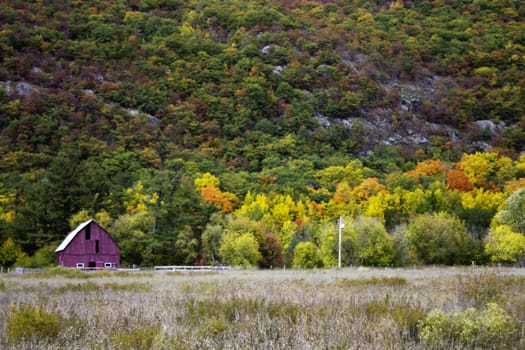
293	309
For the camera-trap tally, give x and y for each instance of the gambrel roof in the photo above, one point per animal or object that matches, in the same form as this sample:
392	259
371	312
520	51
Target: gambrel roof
71	236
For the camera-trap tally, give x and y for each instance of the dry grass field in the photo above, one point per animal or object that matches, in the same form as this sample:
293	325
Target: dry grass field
354	308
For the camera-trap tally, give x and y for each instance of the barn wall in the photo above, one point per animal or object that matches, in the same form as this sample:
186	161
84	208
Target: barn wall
82	250
71	260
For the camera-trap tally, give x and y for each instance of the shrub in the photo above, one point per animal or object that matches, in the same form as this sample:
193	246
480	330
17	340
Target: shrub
438	330
488	329
306	256
504	245
409	319
376	309
329	246
30	323
44	257
10	253
375	247
512	212
147	337
240	250
438	239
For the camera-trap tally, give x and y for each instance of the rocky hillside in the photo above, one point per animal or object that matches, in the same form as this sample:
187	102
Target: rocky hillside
152	115
345	75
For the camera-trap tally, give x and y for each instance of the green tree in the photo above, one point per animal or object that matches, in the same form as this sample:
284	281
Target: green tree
10	253
178	214
513	212
133	233
211	240
68	186
306	256
43	257
352	174
374	246
78	218
186	247
438	239
240	249
329	237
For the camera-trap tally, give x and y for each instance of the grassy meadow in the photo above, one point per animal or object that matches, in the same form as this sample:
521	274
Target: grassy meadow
353	308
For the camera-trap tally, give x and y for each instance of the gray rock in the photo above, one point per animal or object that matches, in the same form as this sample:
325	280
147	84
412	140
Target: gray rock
489	125
266	50
36	70
24	89
278	69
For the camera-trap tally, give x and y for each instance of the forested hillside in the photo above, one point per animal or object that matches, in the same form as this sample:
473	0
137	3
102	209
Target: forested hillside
238	132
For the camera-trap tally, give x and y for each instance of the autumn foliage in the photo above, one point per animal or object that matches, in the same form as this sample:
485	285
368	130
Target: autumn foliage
176	120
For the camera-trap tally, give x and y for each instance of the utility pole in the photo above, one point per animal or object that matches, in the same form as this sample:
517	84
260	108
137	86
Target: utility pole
341	226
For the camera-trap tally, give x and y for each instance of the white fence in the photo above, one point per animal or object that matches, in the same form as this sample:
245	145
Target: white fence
192	268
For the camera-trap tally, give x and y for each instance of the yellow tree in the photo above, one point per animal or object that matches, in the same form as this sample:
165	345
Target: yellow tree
255	207
429	167
352	174
377	205
7	215
477	166
521	163
488	200
137	200
504	245
283	210
207	180
415	202
487	169
287	235
387	207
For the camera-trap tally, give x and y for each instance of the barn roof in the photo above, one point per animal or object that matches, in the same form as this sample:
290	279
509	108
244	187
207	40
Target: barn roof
72	235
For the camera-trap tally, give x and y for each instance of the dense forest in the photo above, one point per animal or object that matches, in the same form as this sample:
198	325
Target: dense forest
239	132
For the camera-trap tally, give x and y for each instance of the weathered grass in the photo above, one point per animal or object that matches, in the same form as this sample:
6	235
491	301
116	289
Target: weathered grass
481	286
374	281
310	309
90	286
81	274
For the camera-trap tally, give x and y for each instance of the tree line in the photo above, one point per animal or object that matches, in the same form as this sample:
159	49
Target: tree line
436	213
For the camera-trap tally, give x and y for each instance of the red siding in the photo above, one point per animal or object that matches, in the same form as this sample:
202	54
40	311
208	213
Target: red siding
83	251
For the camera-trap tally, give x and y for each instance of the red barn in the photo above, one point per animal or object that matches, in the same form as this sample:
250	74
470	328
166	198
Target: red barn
88	246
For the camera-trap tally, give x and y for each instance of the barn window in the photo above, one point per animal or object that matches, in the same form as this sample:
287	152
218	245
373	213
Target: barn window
88	232
80	265
96	246
108	265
